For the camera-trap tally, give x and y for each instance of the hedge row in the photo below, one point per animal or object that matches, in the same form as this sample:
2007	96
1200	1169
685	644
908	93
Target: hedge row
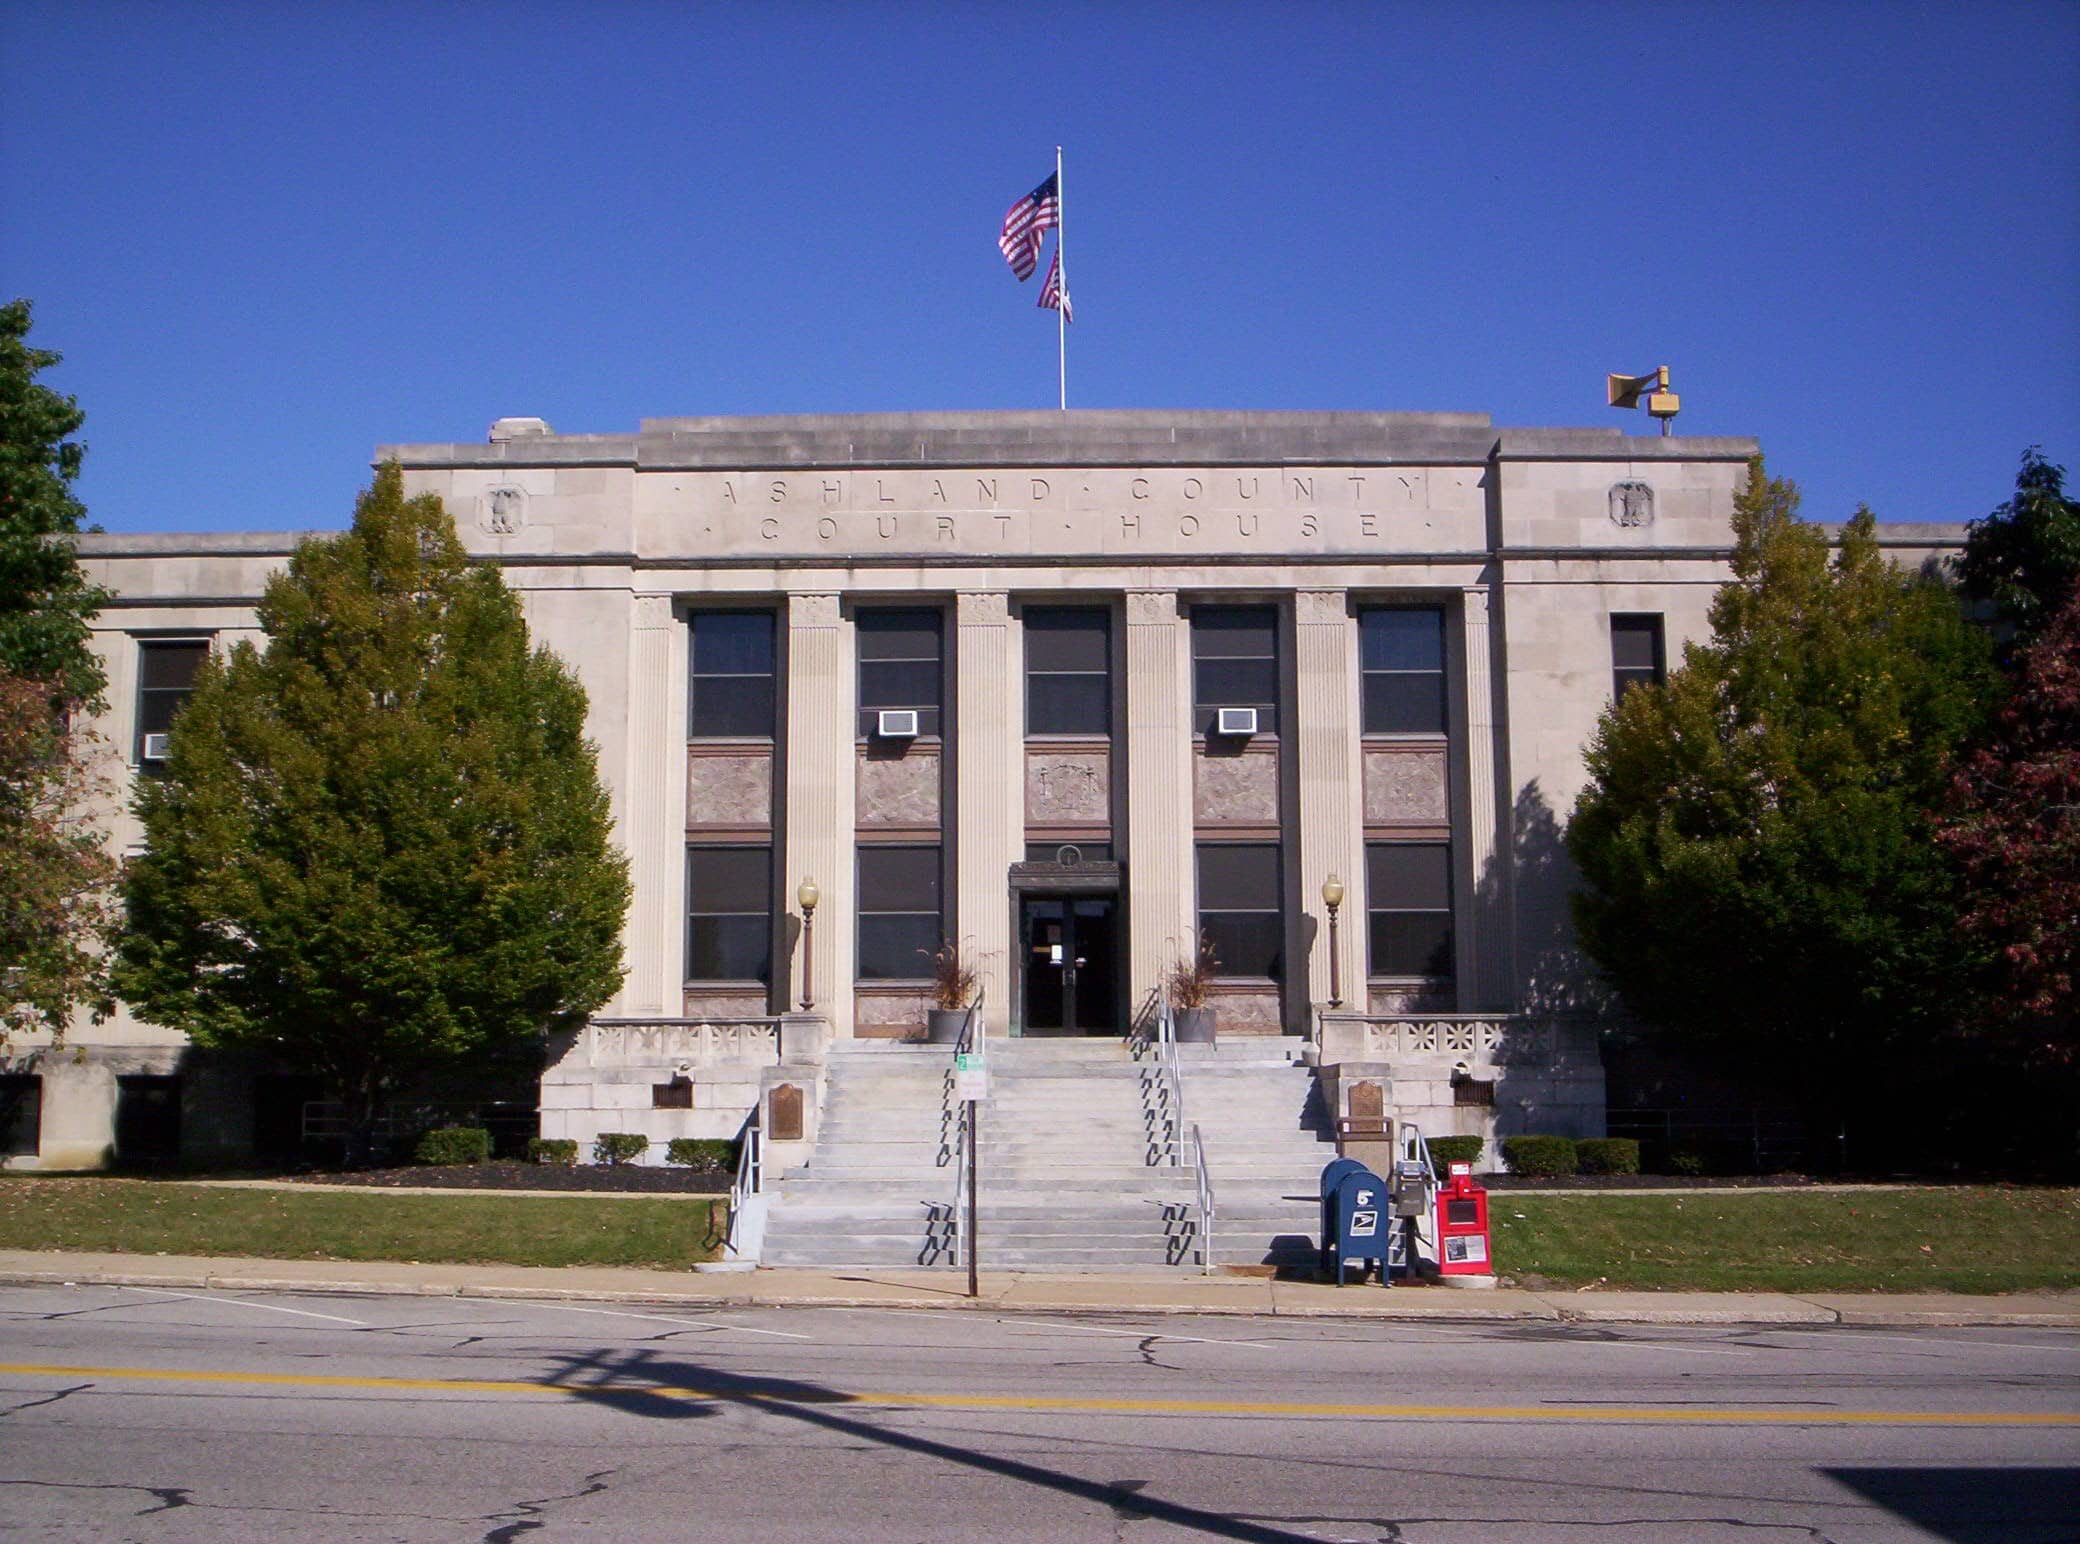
1547	1157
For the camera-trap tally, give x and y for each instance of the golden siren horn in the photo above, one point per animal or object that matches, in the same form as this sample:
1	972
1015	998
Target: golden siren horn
1625	390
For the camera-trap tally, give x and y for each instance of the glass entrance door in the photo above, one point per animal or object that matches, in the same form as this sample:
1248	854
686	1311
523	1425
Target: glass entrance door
1070	946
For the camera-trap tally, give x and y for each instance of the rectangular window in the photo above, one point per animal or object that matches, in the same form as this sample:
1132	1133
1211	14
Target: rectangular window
729	914
900	921
166	669
1239	911
21	1114
729	677
1235	663
1068	671
1401	655
899	666
1636	653
1409	892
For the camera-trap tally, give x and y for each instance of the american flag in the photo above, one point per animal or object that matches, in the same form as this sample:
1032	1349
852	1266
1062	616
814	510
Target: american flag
1051	295
1025	222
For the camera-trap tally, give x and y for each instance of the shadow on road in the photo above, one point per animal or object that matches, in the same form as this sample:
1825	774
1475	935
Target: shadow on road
644	1383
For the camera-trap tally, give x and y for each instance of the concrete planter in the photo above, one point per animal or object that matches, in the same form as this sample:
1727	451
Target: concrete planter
1194	1026
942	1026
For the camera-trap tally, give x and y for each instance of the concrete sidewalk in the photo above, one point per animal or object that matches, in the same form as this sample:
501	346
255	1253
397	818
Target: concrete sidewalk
1130	1295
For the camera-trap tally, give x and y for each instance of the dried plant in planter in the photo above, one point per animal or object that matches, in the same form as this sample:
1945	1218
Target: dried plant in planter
953	977
1188	978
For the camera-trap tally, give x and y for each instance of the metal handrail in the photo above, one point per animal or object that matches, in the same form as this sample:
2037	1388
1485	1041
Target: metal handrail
1173	1080
745	1185
1205	1182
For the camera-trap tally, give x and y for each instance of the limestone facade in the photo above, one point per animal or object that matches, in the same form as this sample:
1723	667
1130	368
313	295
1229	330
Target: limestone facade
1418	607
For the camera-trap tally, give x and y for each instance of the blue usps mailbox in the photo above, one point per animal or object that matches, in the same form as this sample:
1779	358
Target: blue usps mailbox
1357	1219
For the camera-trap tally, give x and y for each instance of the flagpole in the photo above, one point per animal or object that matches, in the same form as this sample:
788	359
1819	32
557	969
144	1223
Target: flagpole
1061	266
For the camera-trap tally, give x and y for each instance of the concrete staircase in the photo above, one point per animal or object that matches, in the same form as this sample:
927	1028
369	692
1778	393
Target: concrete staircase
1074	1160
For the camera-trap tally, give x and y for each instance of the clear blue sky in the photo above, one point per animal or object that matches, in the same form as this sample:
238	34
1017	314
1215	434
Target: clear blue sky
269	237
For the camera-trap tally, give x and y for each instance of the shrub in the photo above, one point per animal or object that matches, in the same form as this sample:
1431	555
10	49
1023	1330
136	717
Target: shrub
1539	1156
1608	1155
619	1147
556	1150
1685	1160
702	1153
453	1144
1446	1151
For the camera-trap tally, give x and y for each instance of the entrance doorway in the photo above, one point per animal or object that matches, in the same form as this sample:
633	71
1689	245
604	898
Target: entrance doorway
1069	945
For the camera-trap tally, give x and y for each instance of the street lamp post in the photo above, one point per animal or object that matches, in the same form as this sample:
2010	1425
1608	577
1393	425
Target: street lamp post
806	896
1332	897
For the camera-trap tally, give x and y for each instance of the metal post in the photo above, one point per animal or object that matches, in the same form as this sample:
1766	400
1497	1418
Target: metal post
974	1139
809	958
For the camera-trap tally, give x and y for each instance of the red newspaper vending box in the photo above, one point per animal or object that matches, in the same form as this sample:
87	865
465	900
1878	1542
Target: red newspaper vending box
1462	1226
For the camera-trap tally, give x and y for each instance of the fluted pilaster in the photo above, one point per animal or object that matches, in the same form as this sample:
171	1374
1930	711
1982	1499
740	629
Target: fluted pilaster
1330	774
1485	897
1159	786
820	759
656	806
989	818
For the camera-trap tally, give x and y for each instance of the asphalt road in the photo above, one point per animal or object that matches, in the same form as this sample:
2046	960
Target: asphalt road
146	1414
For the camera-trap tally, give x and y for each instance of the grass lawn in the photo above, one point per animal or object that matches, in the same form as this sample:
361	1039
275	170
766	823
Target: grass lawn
166	1217
1948	1239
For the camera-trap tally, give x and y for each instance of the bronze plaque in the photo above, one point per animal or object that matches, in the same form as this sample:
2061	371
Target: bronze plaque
1368	1104
787	1113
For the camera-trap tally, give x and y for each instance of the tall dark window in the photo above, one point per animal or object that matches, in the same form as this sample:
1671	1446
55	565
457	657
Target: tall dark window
1637	655
1401	652
166	669
1239	910
1408	889
729	913
1068	671
729	677
899	912
899	666
1235	663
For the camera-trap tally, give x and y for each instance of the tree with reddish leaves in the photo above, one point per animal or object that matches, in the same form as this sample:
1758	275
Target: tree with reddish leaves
2012	824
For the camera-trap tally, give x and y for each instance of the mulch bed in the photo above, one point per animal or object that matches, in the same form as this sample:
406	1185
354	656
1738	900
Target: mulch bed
509	1174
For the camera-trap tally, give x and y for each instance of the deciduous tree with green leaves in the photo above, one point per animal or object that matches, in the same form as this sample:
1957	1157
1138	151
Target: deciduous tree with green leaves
2025	556
381	848
1760	879
56	877
45	601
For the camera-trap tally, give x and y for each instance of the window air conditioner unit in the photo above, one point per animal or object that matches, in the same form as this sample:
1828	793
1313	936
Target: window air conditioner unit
896	724
1235	721
155	747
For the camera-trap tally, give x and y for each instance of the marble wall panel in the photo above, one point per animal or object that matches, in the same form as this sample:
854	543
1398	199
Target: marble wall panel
1236	790
888	1013
1406	788
1069	787
1248	1011
729	790
899	790
708	1003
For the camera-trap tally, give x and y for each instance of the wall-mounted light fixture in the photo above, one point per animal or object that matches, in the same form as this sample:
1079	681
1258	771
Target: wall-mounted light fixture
806	896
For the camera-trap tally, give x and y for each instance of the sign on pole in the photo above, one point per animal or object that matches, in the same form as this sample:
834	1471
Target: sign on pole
970	1078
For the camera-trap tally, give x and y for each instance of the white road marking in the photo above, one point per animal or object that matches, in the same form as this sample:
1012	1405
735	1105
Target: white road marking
200	1297
695	1324
1092	1329
1652	1345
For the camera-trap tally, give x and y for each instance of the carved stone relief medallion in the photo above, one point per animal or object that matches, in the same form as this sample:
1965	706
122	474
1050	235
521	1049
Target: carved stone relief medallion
502	511
1632	504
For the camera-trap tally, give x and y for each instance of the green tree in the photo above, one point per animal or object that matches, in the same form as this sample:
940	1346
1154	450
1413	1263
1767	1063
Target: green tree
56	877
1761	882
381	848
45	601
2024	557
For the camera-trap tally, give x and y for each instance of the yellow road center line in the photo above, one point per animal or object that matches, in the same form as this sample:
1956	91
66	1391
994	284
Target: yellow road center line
1042	1402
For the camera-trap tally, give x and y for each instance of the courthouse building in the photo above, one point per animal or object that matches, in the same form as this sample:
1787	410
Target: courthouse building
1074	689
